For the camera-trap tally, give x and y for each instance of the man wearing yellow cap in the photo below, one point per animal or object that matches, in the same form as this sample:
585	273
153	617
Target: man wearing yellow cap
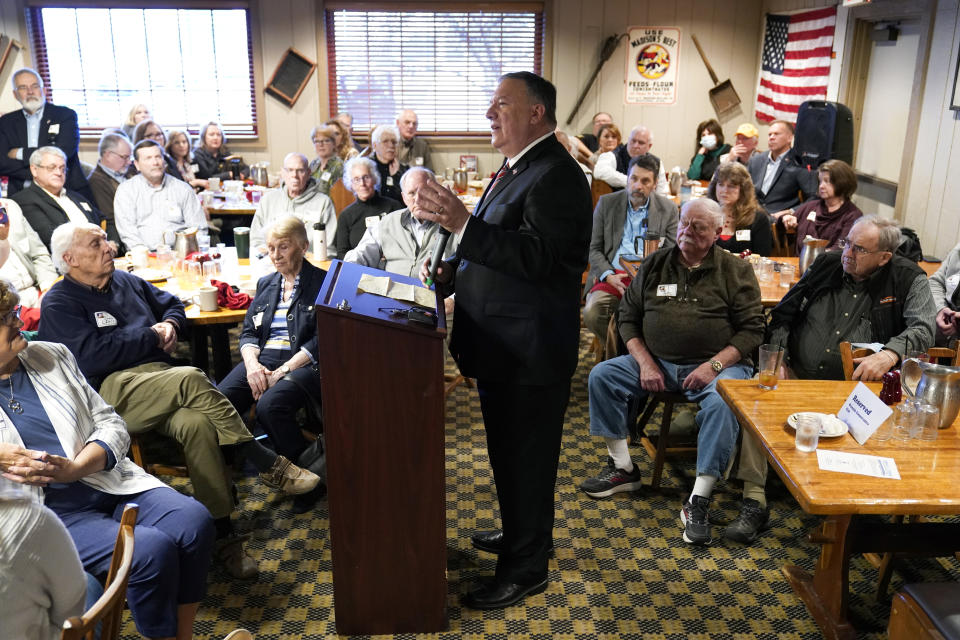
746	145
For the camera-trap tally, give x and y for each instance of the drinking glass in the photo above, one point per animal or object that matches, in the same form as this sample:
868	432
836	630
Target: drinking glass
771	357
808	432
765	273
904	421
194	275
786	275
922	356
214	184
928	421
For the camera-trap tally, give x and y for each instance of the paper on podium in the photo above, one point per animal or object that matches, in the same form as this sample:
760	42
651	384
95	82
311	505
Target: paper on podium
384	286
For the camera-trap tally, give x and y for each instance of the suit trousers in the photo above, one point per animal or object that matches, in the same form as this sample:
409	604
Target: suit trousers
524	425
182	403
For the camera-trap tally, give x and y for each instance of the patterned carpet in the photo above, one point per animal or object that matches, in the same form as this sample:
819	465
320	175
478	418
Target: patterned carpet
620	568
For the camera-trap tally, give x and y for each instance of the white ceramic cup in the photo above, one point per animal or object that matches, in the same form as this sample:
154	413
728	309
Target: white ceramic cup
139	257
206	299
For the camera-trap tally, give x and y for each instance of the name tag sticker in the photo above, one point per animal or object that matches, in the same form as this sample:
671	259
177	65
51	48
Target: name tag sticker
194	168
370	221
743	235
54	128
325	176
812	216
85	206
104	319
863	412
418	161
667	290
389	181
258	320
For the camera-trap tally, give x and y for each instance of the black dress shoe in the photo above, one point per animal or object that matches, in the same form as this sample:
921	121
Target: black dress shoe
492	541
497	595
307	501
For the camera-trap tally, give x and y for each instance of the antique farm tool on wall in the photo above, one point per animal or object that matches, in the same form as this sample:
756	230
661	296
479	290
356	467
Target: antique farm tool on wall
723	96
609	46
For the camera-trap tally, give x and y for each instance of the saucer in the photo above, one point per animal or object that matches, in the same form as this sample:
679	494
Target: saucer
830	425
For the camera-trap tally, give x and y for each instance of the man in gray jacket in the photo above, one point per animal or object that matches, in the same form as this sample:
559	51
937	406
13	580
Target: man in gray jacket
299	197
618	221
400	242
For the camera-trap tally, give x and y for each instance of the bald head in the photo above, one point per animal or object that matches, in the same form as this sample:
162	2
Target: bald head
407	124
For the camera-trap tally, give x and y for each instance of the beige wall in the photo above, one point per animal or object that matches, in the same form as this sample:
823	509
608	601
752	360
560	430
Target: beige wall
730	32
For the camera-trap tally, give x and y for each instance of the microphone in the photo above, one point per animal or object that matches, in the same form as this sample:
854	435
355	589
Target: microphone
442	236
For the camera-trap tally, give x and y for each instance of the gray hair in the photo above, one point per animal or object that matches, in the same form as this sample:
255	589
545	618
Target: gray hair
33	72
642	129
36	158
295	154
412	171
62	240
707	206
889	236
109	141
378	133
358	161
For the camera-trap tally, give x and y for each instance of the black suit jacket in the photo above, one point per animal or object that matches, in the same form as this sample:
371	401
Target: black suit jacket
65	135
44	214
789	180
518	269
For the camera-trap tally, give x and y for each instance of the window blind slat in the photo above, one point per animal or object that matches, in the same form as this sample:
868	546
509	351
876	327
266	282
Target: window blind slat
442	64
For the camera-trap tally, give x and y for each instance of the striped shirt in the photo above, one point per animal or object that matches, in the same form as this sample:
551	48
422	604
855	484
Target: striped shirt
279	337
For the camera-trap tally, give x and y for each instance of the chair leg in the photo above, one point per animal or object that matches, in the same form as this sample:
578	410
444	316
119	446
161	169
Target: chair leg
662	441
135	454
637	434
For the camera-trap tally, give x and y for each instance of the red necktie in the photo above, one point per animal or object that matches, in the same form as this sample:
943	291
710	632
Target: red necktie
496	179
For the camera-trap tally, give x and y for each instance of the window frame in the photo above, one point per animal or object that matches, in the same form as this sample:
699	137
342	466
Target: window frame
542	59
92	134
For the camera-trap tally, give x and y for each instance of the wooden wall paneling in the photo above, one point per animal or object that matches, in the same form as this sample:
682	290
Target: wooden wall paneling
615	19
660	119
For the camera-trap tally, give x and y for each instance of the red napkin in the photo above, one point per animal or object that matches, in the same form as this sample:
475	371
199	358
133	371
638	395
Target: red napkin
227	298
603	286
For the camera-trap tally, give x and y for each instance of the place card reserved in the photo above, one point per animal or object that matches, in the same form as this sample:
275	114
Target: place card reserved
857	463
863	412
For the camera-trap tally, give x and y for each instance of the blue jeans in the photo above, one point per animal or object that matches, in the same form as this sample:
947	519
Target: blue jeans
615	396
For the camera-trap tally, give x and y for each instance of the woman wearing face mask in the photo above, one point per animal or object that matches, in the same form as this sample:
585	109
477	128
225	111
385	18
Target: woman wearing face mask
709	148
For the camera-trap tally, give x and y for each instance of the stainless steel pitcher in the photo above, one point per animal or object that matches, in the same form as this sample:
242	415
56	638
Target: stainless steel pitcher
258	173
934	384
812	248
186	242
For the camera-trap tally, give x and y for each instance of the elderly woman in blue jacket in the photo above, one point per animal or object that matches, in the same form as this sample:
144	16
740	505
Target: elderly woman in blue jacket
278	344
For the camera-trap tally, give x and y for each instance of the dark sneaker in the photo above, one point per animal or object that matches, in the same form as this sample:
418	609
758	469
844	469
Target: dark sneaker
695	517
612	481
752	519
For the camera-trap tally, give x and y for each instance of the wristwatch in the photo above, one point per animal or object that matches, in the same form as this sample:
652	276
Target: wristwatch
716	365
285	370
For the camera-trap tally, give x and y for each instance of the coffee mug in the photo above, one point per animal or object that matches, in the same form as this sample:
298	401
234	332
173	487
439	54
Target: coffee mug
139	257
206	299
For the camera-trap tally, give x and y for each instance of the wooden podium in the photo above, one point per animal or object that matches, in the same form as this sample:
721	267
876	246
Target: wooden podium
383	413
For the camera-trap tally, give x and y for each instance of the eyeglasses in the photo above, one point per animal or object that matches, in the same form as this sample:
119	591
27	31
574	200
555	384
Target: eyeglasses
28	87
54	168
846	242
322	141
697	227
125	158
10	318
364	178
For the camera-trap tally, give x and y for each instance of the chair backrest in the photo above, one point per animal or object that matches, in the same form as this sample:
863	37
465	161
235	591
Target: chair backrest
599	188
847	354
342	198
952	356
109	607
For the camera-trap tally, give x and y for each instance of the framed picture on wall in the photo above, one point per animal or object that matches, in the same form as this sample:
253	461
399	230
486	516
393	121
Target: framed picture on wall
955	100
468	162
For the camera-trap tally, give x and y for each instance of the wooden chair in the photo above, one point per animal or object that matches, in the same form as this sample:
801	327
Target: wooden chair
599	188
847	354
136	454
660	447
924	612
109	608
341	196
939	354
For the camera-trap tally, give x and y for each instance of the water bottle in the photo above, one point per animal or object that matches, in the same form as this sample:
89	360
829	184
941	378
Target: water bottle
318	241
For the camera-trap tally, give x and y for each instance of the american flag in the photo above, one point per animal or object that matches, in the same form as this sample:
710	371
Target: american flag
796	62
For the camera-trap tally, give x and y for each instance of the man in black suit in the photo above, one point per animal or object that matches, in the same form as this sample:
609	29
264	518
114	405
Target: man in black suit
516	274
781	184
46	204
38	124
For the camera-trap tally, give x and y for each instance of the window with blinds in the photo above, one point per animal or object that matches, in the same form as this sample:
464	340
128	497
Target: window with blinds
442	64
189	66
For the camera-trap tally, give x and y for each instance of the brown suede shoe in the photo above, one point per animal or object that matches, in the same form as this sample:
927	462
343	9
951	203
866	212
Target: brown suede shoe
234	559
289	478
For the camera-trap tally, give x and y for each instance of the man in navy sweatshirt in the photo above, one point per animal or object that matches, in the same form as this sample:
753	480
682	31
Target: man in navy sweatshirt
122	330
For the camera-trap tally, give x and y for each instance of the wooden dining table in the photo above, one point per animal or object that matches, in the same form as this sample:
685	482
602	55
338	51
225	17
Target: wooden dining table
927	486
